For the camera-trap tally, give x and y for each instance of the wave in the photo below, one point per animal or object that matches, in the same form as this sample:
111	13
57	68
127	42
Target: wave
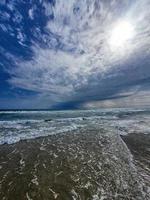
20	127
14	132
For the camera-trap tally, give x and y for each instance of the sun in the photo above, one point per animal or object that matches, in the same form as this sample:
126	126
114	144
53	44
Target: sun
121	34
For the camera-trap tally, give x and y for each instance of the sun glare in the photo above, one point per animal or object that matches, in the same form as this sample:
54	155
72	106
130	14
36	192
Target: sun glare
121	34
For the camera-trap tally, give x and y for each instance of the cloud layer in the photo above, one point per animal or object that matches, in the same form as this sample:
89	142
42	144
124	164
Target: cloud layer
66	56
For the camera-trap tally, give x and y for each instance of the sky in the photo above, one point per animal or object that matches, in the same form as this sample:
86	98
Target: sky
58	54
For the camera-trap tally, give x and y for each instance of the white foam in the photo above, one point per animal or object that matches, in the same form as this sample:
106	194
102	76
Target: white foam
13	132
21	129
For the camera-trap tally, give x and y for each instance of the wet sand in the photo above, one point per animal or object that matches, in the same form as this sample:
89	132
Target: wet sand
139	145
85	164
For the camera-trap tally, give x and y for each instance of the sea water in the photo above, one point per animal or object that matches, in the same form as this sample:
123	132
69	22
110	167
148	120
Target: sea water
20	125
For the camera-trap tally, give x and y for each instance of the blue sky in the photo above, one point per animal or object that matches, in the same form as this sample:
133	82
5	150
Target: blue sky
59	54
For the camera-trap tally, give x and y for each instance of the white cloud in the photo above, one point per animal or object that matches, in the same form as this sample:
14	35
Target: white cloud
79	49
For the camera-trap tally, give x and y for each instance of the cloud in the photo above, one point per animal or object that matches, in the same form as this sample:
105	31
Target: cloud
71	58
138	100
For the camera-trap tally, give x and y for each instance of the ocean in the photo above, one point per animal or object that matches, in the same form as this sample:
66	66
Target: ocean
21	125
71	155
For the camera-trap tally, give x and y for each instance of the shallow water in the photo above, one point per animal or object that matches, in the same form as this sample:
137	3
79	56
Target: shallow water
86	164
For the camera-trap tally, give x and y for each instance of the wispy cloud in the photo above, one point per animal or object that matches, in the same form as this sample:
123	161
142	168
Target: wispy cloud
71	57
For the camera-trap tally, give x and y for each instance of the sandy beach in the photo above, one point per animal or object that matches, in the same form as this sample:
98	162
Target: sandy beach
88	163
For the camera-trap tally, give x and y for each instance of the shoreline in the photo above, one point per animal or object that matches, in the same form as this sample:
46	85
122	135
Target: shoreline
87	163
